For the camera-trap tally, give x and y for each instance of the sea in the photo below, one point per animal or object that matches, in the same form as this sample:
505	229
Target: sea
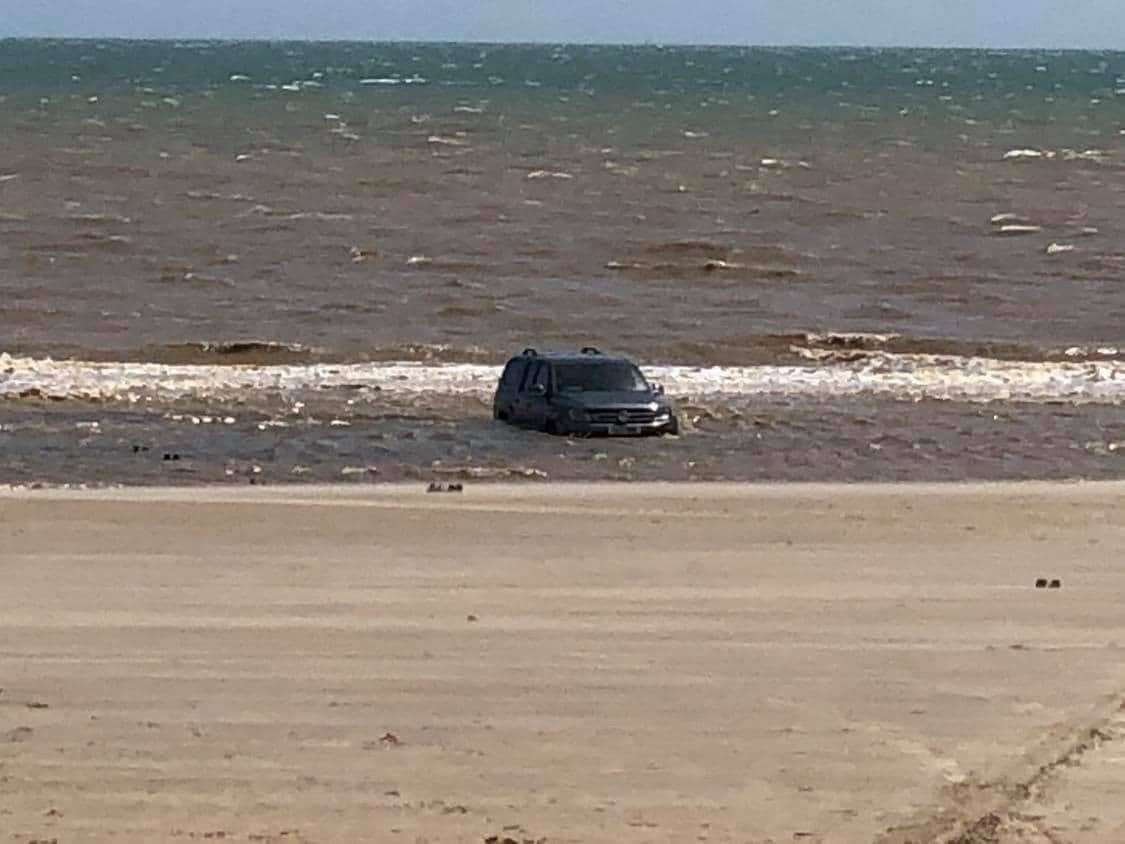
282	262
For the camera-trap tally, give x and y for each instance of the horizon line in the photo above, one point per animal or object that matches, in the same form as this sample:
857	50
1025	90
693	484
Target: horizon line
702	45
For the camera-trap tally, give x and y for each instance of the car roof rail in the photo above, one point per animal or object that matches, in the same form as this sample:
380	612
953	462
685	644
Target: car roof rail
530	352
591	350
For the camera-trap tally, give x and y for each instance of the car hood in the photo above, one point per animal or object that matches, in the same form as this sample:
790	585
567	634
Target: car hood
617	399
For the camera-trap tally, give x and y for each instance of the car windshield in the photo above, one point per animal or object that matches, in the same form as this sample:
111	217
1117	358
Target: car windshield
599	377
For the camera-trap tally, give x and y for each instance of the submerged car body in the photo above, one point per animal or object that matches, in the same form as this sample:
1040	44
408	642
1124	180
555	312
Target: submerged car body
582	393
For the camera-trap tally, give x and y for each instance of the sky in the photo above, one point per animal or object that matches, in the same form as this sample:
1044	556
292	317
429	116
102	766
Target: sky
1096	24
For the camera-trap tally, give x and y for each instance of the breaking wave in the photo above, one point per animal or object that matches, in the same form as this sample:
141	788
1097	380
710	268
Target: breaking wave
759	349
826	374
256	352
262	353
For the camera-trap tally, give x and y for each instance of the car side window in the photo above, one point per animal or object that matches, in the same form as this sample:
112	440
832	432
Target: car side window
512	372
542	376
529	377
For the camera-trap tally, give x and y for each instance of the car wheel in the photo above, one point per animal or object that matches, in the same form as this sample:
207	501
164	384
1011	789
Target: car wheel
673	427
552	427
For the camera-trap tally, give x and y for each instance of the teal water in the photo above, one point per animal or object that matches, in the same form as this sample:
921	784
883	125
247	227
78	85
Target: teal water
1070	90
882	75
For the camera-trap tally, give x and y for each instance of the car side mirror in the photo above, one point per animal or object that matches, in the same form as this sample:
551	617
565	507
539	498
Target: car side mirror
658	389
538	390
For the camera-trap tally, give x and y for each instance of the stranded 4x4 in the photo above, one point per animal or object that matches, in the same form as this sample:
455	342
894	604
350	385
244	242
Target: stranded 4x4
586	393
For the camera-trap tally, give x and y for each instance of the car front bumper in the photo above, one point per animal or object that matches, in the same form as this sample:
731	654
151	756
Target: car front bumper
622	429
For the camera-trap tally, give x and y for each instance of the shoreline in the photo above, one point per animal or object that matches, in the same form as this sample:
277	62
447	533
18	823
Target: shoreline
823	374
280	492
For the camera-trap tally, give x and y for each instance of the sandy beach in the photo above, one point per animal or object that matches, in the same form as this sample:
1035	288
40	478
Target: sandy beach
582	663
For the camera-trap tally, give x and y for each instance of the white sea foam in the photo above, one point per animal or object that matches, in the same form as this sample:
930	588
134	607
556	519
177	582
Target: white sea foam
897	376
449	142
1095	155
549	174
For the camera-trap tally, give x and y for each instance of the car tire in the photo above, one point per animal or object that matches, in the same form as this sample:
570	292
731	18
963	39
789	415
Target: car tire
673	428
551	426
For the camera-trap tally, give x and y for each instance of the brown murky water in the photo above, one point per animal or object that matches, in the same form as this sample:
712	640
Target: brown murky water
375	203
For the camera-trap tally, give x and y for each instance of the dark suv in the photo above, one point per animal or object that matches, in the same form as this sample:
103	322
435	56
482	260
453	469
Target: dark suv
584	393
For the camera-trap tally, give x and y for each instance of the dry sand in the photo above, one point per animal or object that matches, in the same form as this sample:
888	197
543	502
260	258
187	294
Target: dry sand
574	663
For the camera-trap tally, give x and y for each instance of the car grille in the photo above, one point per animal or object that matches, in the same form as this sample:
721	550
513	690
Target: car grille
610	416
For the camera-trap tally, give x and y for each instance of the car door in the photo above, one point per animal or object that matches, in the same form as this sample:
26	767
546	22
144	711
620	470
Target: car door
538	397
503	406
531	404
520	405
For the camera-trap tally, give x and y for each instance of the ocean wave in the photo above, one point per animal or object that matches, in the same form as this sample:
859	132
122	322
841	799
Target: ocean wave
680	258
265	353
826	375
228	352
842	346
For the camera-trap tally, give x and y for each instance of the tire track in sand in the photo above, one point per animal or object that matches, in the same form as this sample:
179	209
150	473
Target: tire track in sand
1010	809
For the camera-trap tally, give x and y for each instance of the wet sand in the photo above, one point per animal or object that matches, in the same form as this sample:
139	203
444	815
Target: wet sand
569	663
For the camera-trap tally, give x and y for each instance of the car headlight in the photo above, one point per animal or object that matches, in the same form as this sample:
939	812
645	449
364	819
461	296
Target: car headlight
663	415
577	414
